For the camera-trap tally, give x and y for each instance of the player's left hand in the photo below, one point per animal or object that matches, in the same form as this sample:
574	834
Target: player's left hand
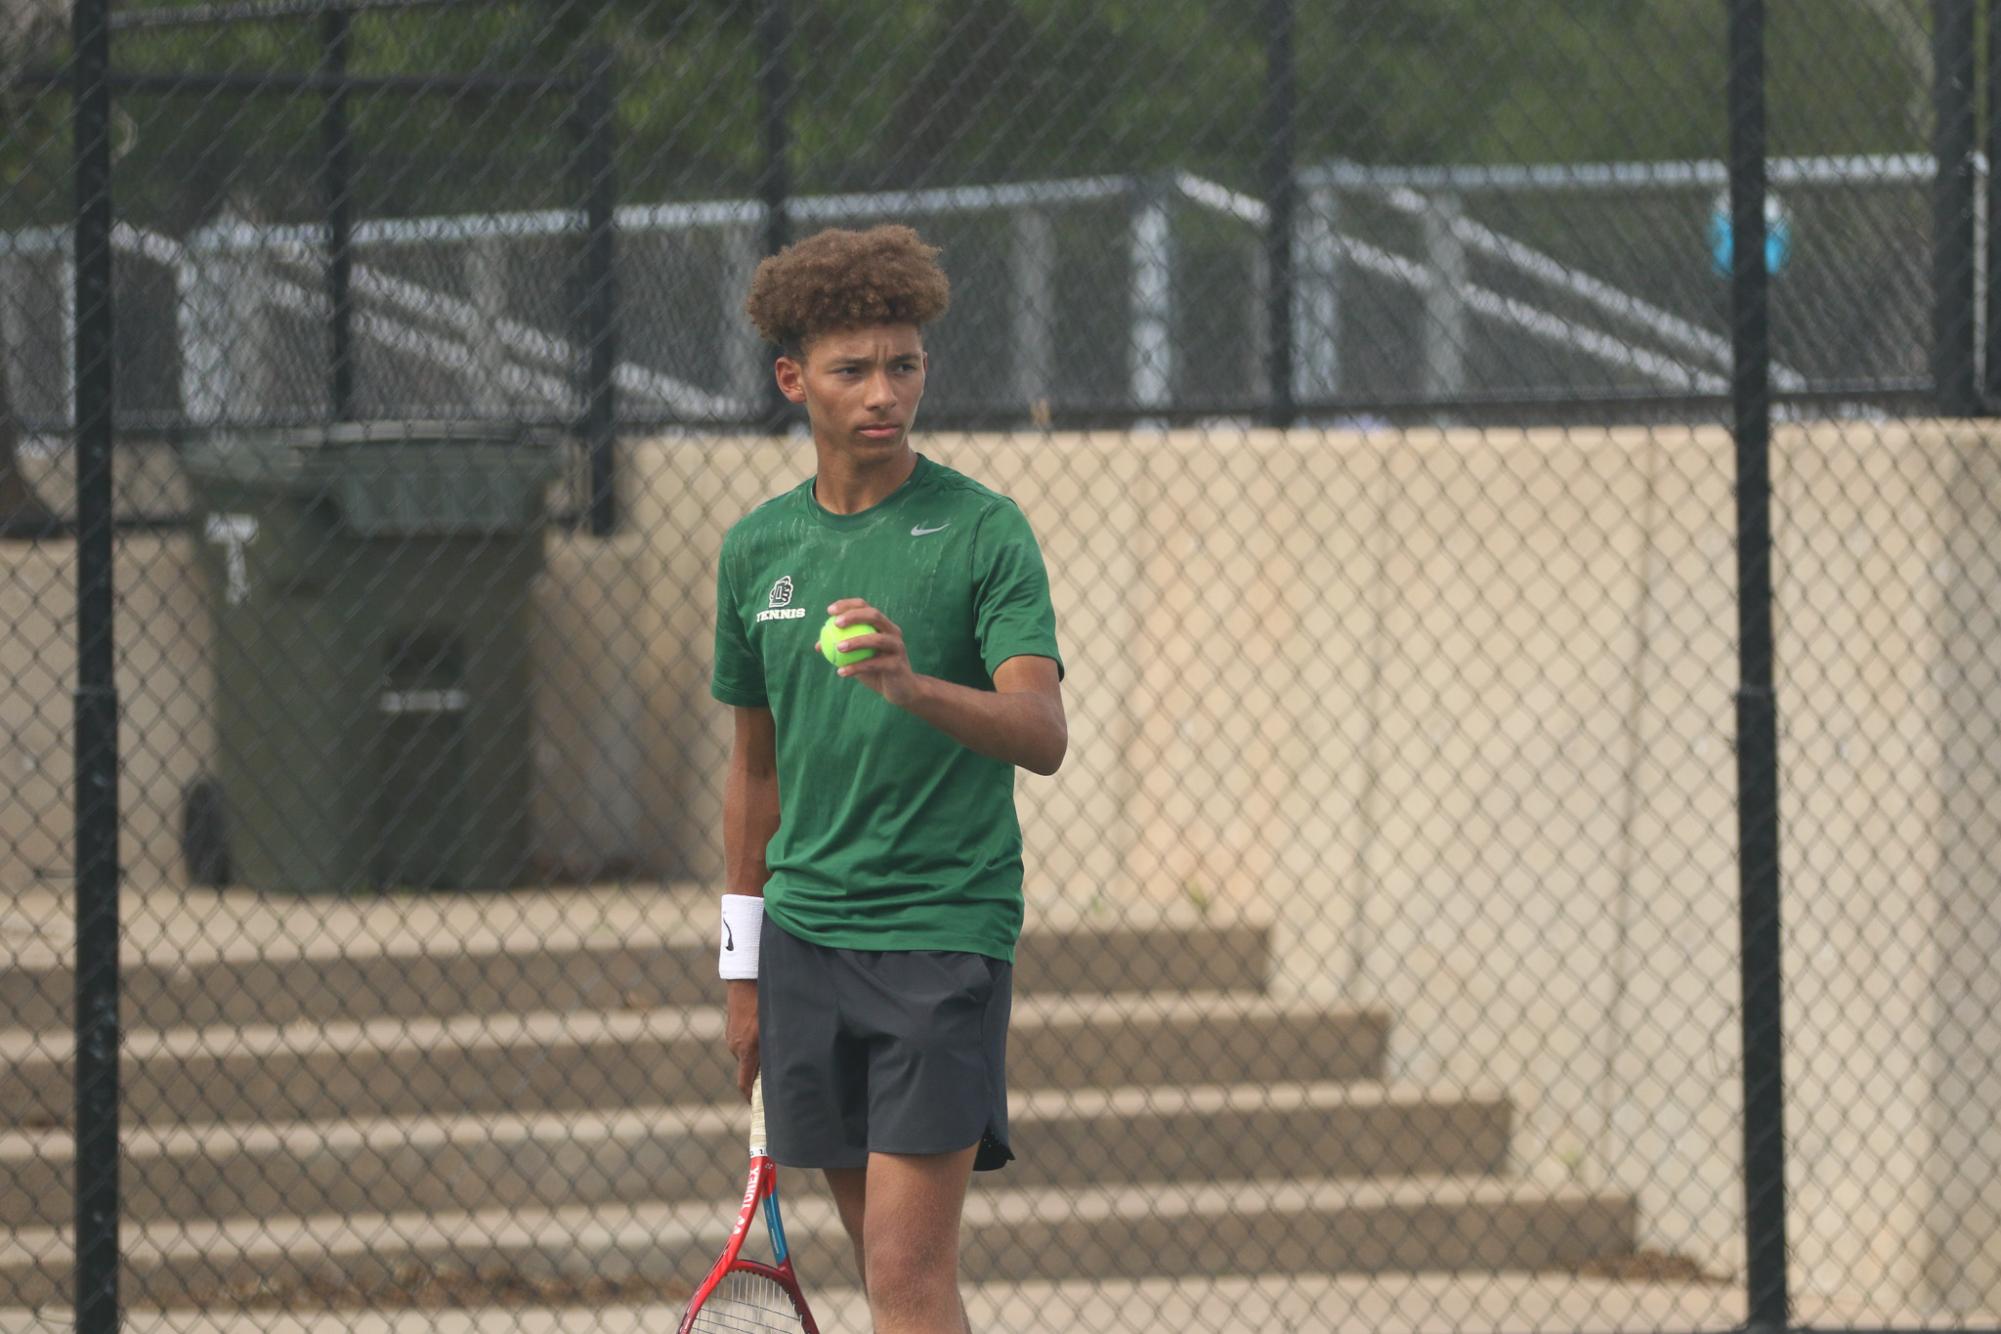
888	673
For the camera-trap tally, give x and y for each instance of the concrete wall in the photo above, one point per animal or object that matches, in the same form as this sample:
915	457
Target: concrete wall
164	681
1963	1072
1454	708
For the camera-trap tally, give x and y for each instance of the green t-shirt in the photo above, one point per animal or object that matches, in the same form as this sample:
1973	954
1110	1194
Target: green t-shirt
891	836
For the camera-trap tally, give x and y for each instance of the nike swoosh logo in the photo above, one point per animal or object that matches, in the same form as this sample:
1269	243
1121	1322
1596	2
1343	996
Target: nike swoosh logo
920	530
729	940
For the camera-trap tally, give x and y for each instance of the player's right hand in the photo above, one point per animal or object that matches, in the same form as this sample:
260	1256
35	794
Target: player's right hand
740	1031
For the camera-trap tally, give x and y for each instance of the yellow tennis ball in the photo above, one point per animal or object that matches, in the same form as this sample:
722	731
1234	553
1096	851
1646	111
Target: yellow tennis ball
832	636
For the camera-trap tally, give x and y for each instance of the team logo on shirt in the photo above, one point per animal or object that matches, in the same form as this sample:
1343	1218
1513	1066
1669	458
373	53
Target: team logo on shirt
779	610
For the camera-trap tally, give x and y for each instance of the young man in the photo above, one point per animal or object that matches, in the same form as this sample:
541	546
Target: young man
872	854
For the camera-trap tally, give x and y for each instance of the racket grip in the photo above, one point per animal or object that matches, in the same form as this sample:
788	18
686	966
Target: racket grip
757	1117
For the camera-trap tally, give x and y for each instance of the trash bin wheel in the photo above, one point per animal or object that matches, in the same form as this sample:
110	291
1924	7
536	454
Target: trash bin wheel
204	839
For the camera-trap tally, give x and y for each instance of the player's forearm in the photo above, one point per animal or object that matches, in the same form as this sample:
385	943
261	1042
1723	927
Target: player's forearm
1022	727
750	818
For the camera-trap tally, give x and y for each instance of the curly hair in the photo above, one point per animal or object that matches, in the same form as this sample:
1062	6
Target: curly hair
840	279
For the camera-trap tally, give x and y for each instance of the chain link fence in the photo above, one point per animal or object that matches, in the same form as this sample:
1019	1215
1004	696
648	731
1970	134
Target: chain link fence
1374	380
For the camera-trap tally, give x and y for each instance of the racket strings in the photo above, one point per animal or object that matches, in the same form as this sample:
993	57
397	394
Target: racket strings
747	1304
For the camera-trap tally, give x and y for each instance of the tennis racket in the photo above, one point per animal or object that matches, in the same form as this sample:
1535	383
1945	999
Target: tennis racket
742	1296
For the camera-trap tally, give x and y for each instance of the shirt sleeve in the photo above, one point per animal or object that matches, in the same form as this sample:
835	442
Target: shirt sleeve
738	675
1012	614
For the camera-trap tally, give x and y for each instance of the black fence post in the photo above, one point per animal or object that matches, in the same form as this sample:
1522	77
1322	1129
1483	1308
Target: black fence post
1955	358
337	188
1757	713
596	158
774	181
1992	376
1281	108
96	703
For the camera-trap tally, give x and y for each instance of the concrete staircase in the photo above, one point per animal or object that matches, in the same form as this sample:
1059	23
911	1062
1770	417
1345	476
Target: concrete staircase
555	1105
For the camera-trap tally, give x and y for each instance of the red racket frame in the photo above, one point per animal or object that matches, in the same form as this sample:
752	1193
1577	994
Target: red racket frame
760	1190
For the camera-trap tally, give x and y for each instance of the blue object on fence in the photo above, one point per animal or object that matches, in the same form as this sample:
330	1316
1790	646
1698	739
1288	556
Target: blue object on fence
1778	235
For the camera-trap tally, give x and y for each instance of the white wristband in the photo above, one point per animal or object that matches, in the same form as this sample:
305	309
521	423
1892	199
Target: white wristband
743	926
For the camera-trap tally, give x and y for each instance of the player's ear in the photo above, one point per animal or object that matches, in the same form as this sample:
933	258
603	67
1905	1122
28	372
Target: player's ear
790	373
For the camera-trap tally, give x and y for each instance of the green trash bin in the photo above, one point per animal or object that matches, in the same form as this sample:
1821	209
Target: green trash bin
371	589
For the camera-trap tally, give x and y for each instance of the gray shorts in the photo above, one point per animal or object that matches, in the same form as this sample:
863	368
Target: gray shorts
881	1051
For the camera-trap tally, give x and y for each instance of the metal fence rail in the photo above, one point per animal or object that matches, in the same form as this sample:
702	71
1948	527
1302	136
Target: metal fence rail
1402	239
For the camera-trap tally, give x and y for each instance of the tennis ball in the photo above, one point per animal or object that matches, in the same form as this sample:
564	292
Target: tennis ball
832	636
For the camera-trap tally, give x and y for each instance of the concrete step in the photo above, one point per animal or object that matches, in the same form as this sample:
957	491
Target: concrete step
1447	1303
1100	1228
475	1163
1465	1303
549	1062
537	966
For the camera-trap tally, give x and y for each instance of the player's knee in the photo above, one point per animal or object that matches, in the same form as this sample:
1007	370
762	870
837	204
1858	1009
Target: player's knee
911	1276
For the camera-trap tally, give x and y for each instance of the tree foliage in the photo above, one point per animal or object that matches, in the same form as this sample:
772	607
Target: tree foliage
893	93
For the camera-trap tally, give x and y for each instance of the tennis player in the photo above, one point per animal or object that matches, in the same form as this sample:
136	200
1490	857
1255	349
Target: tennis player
872	852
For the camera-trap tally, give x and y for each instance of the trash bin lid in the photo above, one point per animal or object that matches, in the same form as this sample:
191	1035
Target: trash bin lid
396	478
391	433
